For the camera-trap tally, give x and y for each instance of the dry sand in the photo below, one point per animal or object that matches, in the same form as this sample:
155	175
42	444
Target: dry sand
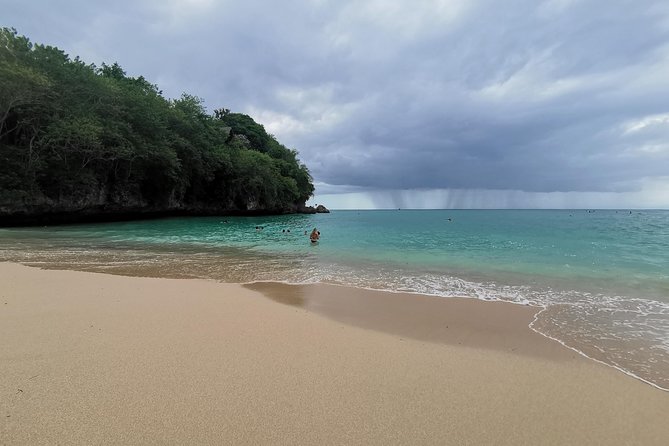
97	359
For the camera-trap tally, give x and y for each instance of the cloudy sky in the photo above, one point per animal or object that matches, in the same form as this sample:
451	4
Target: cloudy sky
410	103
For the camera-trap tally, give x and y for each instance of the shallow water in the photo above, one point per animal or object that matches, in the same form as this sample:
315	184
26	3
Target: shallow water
602	276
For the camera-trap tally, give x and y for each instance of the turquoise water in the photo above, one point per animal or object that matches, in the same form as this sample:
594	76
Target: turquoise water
601	276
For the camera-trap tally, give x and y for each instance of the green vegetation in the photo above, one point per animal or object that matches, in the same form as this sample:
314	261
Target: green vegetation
76	138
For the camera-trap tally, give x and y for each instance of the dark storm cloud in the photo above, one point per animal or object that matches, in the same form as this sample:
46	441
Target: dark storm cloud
560	95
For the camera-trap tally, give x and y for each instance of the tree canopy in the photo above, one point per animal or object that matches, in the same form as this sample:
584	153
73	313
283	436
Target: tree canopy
74	136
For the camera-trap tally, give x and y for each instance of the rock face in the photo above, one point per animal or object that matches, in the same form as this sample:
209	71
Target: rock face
49	213
319	209
94	208
306	210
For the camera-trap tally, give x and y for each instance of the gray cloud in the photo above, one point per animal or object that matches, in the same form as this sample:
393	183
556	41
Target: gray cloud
553	96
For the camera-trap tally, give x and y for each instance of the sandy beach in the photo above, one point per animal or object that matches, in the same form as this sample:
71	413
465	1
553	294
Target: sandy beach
88	358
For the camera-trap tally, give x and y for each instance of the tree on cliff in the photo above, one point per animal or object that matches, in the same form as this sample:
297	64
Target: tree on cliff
74	136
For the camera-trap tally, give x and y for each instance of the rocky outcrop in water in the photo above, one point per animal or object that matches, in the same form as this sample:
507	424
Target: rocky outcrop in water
319	209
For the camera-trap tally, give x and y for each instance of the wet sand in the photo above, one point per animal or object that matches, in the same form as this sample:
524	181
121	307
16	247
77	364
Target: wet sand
469	322
98	359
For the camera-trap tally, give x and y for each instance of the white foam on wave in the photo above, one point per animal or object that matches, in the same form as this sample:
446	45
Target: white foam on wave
621	369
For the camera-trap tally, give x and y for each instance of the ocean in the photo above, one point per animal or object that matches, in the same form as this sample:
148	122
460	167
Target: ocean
601	277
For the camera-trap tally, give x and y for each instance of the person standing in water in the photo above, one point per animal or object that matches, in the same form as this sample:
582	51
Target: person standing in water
315	235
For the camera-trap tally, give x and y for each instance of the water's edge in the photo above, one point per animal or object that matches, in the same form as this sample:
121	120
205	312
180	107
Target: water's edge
532	325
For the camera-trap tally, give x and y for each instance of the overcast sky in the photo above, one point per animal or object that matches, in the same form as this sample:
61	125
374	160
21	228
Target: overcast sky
410	103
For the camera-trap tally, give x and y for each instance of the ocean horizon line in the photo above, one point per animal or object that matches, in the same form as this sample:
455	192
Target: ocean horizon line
498	209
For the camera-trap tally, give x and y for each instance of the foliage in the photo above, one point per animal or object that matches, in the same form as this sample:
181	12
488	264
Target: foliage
77	136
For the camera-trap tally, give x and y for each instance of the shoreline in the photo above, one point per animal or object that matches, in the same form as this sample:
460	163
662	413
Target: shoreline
99	358
495	325
361	291
590	358
324	303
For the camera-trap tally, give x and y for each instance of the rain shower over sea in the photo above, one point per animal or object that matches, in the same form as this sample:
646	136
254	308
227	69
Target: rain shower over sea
601	277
